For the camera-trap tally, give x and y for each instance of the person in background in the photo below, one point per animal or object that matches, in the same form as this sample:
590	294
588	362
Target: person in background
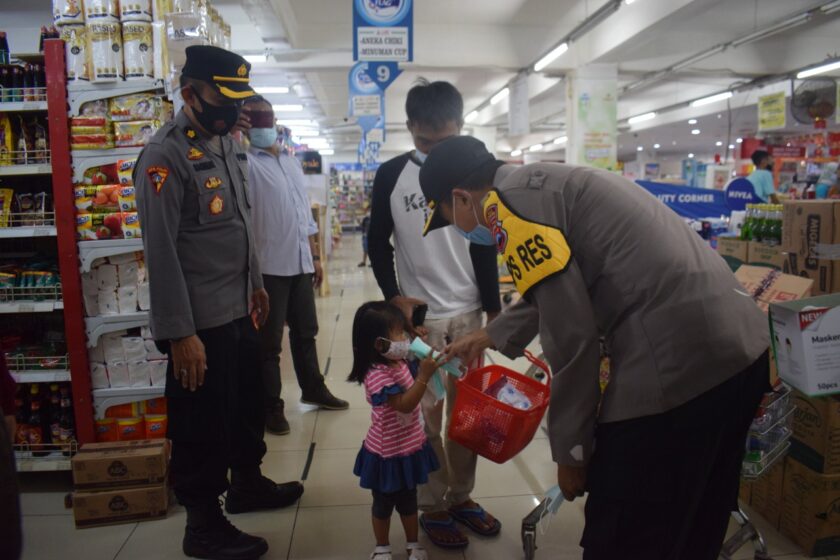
454	278
286	237
11	540
762	177
207	302
365	227
395	456
593	256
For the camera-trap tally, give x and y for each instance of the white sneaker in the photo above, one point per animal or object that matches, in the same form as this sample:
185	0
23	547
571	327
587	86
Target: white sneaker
381	553
417	552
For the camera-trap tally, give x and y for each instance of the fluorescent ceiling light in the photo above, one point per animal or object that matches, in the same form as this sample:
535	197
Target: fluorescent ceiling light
640	148
471	116
692	121
656	146
499	96
712	99
718	143
327	152
628	2
561	140
536	148
690	155
266	90
695	132
731	146
288	108
516	153
297	122
739	140
641	118
255	58
551	56
772	30
831	8
818	70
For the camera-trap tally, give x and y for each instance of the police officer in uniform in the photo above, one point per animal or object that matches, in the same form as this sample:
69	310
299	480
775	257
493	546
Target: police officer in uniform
207	301
594	255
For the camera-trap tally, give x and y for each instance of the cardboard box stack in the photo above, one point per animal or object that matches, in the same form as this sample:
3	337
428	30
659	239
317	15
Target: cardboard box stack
811	239
733	251
134	421
764	254
120	482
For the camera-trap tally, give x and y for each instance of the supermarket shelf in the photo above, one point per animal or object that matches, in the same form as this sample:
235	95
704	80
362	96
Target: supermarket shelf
111	153
80	92
42	376
55	461
104	324
31	306
89	251
30	169
19	106
103	399
27	231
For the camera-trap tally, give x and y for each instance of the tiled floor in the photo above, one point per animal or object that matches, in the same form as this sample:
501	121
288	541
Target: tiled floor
332	520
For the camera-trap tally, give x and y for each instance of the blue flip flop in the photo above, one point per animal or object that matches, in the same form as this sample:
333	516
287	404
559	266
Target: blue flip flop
449	526
468	517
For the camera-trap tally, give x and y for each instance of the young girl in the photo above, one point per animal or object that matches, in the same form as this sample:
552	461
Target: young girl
395	456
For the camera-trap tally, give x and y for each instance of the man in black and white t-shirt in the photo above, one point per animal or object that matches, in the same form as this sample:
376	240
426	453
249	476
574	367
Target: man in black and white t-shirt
455	279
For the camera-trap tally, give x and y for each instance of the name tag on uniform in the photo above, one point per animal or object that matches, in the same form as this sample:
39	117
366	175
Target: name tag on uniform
242	157
532	251
204	166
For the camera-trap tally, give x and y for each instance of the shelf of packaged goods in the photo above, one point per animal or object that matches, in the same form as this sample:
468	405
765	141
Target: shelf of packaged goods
27	231
81	92
104	324
52	458
86	159
21	106
41	376
28	169
89	251
103	399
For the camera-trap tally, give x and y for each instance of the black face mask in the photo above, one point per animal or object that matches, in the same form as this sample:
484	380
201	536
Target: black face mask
209	114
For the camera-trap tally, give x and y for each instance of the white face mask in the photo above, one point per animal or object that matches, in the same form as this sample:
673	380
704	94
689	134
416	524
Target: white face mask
397	349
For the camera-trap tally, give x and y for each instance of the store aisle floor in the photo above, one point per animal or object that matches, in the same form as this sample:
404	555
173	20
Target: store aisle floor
332	521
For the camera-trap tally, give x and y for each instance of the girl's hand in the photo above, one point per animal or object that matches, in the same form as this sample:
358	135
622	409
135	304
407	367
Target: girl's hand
429	366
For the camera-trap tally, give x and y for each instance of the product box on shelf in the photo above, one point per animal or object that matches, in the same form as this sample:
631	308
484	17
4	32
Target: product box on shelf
123	505
806	342
809	509
733	250
120	464
767	494
763	254
812	229
816	433
767	286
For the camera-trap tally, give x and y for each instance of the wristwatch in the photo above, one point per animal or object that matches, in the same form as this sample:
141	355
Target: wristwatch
316	258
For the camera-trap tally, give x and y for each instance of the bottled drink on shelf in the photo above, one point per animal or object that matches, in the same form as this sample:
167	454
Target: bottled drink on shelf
746	228
55	413
37	437
68	421
22	418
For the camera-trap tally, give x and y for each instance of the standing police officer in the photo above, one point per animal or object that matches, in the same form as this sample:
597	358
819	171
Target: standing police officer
595	255
207	296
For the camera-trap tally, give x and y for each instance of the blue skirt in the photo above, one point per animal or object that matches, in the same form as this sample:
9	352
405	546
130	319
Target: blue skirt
395	473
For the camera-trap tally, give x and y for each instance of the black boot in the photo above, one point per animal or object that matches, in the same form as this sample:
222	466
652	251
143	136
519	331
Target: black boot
275	420
252	491
211	536
323	398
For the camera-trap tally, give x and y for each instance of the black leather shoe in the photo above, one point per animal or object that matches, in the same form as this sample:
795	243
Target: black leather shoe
325	400
261	493
275	421
217	539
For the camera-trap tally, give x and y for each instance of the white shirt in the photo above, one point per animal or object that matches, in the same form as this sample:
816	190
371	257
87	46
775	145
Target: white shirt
437	268
281	212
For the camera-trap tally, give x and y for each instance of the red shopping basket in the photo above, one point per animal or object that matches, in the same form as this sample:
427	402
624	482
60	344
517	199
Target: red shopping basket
490	428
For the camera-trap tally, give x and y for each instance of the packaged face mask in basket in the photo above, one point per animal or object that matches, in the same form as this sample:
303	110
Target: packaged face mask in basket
503	391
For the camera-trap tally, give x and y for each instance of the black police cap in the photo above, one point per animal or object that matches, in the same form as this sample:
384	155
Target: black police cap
227	71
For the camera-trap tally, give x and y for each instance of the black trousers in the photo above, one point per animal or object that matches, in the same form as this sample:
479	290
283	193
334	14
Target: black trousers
11	540
219	426
292	301
663	487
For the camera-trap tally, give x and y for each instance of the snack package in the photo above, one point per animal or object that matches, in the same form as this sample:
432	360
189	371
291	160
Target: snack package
131	225
66	12
97	199
155	426
135	107
134	133
135	10
96	108
7	140
125	170
106	430
104	50
41	153
102	11
32	208
92	227
75	50
131	429
91	142
102	175
138	50
127	199
7	200
20	152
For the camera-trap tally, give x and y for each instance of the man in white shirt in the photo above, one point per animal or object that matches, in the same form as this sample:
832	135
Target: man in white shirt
454	278
286	236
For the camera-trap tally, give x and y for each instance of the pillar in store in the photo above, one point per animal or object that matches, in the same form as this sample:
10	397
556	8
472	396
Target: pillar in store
486	134
591	96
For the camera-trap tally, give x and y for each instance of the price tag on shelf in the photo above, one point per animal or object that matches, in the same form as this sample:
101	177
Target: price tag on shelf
31	105
26	307
42	231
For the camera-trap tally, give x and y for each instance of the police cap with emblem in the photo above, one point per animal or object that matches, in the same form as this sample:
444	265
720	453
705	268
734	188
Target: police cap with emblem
449	164
227	71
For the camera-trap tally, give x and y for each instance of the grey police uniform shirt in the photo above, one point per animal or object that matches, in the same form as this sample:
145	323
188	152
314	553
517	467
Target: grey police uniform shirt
676	320
195	216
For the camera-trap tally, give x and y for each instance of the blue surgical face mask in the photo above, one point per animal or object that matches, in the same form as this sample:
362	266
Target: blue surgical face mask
263	137
421	157
480	235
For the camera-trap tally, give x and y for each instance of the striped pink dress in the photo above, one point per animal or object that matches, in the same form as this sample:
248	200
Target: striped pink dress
391	434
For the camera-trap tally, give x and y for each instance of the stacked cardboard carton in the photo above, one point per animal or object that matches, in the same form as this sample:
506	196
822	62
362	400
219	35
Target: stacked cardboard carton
811	239
120	482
